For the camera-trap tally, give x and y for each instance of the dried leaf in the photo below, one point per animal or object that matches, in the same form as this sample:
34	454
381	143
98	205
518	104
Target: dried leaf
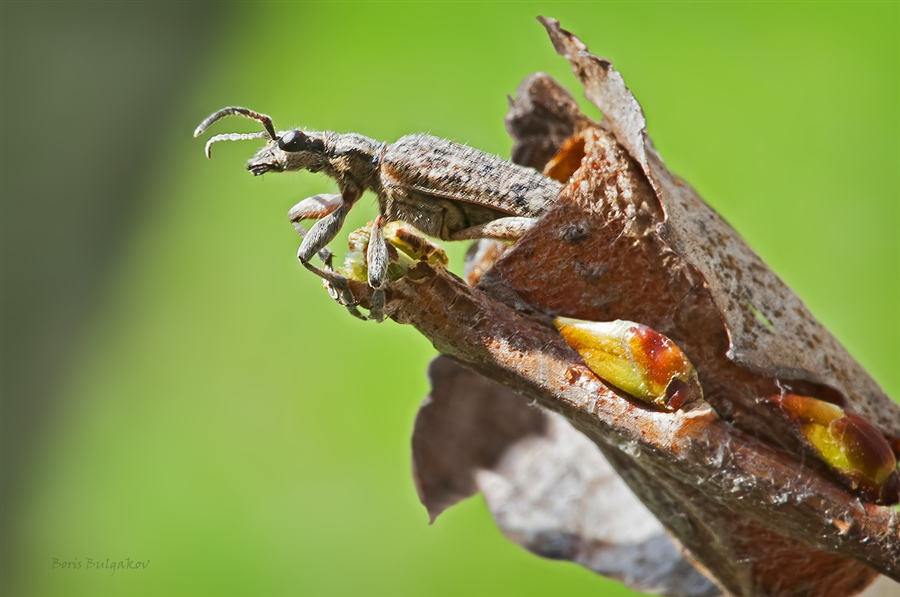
548	487
463	426
542	115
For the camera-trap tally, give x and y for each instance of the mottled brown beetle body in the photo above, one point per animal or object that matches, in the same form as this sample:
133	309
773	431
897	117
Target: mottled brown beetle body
445	189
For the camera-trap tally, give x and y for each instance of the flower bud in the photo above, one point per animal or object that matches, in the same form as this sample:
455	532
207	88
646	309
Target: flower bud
851	446
634	358
406	247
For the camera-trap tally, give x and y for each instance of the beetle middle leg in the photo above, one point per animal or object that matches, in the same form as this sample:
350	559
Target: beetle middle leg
377	260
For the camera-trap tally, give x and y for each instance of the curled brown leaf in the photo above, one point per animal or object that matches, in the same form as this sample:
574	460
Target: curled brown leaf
729	478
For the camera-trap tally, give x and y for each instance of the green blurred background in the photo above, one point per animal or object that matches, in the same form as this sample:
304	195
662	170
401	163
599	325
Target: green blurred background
177	389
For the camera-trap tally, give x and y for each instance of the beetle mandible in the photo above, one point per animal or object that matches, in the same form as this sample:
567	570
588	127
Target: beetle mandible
444	189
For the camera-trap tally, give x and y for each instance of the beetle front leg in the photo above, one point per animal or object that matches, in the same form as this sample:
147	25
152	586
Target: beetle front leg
511	228
315	208
315	241
331	210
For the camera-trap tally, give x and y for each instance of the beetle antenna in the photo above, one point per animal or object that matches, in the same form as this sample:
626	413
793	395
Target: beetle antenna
262	118
235	137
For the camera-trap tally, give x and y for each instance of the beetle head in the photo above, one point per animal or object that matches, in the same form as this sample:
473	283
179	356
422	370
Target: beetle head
289	150
292	150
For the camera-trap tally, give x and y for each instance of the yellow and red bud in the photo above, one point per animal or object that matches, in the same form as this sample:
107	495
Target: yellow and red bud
406	248
634	358
851	446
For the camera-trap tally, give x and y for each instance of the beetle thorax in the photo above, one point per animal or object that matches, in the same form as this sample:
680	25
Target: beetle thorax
353	159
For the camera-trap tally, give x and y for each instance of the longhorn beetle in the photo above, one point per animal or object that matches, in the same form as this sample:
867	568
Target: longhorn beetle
445	189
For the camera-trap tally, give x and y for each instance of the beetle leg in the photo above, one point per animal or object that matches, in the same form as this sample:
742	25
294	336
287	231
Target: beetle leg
335	209
330	212
335	282
316	207
377	261
510	228
337	287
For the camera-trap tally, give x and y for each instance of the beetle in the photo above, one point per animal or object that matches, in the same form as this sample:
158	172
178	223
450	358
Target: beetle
444	189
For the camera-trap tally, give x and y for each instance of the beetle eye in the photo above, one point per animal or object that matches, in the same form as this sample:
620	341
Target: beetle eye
293	141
